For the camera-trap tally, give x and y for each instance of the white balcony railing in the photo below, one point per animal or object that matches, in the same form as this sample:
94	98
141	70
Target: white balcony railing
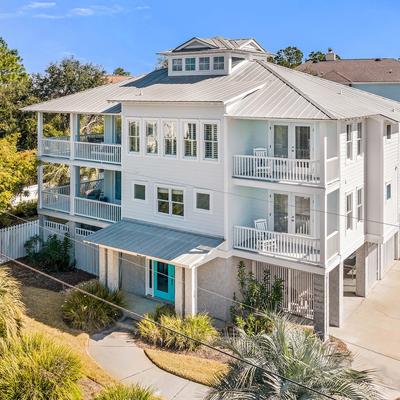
100	152
97	209
276	169
56	147
56	199
299	247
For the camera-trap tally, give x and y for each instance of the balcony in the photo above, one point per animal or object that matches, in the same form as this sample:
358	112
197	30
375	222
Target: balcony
95	151
91	203
293	246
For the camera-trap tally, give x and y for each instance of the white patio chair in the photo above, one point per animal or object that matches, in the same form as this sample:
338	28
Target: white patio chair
263	242
261	165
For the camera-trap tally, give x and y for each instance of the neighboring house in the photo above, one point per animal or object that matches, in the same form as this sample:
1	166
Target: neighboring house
224	157
380	76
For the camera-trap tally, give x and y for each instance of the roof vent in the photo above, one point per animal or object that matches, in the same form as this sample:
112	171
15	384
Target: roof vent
330	55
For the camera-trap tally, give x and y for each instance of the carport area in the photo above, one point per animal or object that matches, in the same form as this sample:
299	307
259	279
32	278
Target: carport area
371	329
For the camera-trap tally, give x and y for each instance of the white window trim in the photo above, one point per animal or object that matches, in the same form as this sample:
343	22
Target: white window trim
349	159
182	64
209	63
200	210
128	121
360	139
202	141
391	190
198	139
196	62
213	63
162	147
146	192
157	122
359	221
352	211
170	188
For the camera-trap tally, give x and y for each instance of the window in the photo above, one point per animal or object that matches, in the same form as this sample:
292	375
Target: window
359	138
139	191
151	138
177	64
210	132
202	201
219	63
349	142
359	205
190	140
388	191
388	132
349	211
134	136
204	63
190	64
170	201
169	134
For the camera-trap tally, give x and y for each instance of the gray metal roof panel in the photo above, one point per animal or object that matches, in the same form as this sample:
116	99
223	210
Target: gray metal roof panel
155	241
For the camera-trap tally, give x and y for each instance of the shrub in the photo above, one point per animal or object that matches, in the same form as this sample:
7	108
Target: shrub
197	326
38	368
121	392
24	209
11	307
54	255
258	298
84	312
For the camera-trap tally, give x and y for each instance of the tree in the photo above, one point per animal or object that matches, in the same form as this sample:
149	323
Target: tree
319	56
67	77
120	71
289	57
17	169
15	93
295	353
162	62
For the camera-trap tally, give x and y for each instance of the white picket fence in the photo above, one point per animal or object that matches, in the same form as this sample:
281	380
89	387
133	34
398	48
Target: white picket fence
13	239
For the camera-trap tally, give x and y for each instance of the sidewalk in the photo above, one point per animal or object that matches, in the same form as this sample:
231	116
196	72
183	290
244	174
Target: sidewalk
117	353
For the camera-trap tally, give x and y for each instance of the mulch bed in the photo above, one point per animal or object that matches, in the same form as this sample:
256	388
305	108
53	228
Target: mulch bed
30	278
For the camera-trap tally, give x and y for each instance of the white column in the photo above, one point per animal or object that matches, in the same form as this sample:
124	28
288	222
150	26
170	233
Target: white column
40	184
190	291
322	163
362	270
179	290
336	295
321	305
73	132
112	269
39	133
103	265
322	227
73	172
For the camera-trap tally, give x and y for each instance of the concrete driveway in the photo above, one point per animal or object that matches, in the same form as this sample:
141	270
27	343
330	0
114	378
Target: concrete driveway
371	329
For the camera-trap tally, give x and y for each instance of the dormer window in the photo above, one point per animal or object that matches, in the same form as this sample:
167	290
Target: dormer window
219	63
190	64
204	63
177	64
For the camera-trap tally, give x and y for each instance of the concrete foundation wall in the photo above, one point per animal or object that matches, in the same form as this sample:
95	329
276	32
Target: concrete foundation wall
133	276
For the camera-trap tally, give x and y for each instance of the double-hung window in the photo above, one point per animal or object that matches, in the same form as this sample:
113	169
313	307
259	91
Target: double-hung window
204	63
359	205
170	201
177	64
202	201
218	63
151	137
349	211
349	142
134	136
190	64
359	139
210	138
388	132
169	135
190	140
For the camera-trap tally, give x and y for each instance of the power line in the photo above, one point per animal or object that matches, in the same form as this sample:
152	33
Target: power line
139	317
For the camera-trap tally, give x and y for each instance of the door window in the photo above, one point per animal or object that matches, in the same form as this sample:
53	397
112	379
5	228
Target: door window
281	133
280	212
303	142
162	277
302	215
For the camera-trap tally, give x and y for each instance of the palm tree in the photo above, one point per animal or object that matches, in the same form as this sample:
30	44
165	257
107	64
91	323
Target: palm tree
294	353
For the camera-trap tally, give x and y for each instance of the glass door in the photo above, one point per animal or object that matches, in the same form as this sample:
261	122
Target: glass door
302	146
302	215
281	141
281	212
164	281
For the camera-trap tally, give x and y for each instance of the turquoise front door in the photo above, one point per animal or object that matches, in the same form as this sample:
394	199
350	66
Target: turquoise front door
164	281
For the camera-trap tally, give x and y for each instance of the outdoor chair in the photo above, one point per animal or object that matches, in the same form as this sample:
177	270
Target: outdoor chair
262	168
264	242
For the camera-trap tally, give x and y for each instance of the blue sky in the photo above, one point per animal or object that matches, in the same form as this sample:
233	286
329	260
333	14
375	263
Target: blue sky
128	33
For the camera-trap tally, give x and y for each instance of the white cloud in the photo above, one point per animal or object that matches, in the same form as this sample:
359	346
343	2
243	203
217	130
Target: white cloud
95	10
48	16
142	8
39	4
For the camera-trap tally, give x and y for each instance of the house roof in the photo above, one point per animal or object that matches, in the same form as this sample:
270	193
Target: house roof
165	244
355	70
254	89
116	78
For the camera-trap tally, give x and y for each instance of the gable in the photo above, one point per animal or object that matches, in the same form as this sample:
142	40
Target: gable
251	45
194	44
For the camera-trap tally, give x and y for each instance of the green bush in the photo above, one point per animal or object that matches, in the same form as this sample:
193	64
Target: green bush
257	299
24	209
197	326
35	367
84	312
121	392
11	306
54	255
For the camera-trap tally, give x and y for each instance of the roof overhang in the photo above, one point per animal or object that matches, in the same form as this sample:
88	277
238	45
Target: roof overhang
180	248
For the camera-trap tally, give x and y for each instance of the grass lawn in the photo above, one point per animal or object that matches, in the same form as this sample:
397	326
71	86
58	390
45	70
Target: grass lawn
43	315
194	368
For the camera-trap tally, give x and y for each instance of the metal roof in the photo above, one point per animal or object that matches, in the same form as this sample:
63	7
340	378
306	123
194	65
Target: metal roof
166	244
293	94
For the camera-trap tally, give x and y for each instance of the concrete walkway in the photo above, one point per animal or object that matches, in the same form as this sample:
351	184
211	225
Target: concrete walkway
371	329
117	353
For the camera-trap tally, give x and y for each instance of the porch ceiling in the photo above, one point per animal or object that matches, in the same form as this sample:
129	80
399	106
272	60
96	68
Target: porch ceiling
173	246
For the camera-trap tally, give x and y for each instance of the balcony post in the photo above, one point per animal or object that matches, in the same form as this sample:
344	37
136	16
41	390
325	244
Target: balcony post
72	189
73	133
323	231
322	164
39	133
40	184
